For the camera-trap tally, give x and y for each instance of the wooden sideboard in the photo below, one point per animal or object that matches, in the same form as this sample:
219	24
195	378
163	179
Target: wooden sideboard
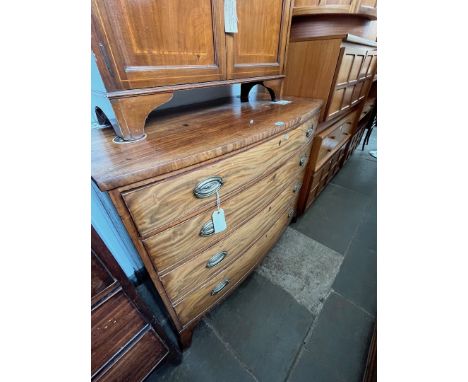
146	50
339	70
127	343
245	158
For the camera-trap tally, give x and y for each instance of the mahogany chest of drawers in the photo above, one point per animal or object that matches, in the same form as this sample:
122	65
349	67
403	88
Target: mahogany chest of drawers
245	158
127	343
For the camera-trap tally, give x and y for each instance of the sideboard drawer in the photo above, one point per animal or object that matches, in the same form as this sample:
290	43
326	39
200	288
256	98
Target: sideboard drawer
157	206
196	271
116	319
212	291
331	139
171	246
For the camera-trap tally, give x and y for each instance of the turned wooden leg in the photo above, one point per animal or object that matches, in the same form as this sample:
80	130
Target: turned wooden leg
273	87
131	113
185	338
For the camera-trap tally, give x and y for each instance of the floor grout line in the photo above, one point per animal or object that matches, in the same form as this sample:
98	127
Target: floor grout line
353	303
228	347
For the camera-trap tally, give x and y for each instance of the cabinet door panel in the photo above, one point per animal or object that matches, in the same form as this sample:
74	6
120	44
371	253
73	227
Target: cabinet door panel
258	47
161	42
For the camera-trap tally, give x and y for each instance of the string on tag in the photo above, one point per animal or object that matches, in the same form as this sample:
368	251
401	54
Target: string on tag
218	200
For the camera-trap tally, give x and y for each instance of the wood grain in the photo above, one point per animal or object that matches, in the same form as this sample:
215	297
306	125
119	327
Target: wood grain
311	69
187	277
201	300
178	243
139	361
319	26
113	325
175	141
171	42
159	205
259	46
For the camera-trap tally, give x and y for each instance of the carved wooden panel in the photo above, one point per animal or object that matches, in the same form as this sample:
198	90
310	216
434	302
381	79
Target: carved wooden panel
259	46
160	42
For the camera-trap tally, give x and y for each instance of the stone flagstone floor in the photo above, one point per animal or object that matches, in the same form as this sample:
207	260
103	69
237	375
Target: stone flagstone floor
307	313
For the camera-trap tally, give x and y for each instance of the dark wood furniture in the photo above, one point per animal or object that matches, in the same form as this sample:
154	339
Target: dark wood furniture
165	190
339	69
146	50
127	343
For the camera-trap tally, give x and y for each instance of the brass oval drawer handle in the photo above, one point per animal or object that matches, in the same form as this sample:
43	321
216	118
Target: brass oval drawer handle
297	187
218	288
207	229
309	132
303	161
208	187
216	259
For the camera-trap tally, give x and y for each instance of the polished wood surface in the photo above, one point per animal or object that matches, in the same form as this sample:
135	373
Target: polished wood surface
138	362
156	206
261	149
193	273
148	47
202	299
171	246
311	69
167	42
327	26
113	325
119	319
327	153
259	46
175	141
363	8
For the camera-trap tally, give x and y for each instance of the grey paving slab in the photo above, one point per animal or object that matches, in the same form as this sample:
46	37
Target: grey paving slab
358	175
303	267
334	217
205	361
264	325
357	280
337	347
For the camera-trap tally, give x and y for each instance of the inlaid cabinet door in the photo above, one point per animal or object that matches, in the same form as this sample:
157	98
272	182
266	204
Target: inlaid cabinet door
146	43
258	48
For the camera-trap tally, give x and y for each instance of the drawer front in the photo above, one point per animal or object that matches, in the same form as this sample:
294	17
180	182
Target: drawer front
154	207
113	325
176	244
334	137
138	361
211	292
198	270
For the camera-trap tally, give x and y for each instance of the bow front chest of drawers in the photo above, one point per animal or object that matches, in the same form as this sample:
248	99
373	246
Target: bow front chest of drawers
245	158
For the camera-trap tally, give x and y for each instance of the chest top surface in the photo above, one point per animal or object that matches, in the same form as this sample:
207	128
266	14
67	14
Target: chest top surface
189	136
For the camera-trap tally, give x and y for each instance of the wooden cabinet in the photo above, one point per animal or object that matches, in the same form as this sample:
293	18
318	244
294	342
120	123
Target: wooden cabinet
164	42
147	49
366	8
253	155
339	70
126	341
258	48
326	159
